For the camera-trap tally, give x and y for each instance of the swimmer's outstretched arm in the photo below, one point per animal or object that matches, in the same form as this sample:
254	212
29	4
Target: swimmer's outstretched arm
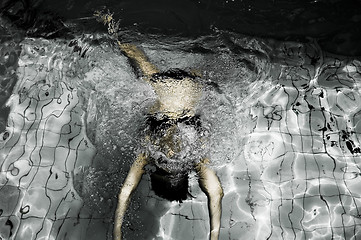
130	184
129	49
211	186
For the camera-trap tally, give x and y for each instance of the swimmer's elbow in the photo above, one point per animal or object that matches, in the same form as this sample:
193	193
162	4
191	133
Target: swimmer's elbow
218	191
126	191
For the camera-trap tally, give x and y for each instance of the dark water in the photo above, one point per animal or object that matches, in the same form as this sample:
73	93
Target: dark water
281	105
335	23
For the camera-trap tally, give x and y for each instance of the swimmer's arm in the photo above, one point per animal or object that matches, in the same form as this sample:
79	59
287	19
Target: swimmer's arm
130	184
211	186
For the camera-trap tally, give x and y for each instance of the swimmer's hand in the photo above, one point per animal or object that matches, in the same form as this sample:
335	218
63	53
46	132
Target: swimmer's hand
211	186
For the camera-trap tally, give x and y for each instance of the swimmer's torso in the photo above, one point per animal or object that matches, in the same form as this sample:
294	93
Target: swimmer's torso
176	98
174	131
177	92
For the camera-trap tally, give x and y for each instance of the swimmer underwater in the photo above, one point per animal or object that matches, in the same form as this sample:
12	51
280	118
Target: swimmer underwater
178	93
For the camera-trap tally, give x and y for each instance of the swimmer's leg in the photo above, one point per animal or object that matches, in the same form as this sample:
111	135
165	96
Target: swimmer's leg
134	53
130	184
130	50
211	186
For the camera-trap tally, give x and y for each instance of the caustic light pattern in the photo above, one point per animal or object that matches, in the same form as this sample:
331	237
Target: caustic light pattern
295	174
305	149
43	147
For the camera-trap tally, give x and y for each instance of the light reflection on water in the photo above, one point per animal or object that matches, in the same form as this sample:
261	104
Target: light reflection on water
284	141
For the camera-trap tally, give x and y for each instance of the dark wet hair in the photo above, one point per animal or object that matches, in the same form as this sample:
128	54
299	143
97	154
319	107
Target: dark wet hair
155	125
173	187
174	73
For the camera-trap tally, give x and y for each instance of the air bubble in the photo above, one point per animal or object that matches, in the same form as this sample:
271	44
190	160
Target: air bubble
25	209
14	170
6	135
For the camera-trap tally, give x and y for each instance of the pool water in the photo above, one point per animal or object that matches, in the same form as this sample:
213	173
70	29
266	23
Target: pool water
282	119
